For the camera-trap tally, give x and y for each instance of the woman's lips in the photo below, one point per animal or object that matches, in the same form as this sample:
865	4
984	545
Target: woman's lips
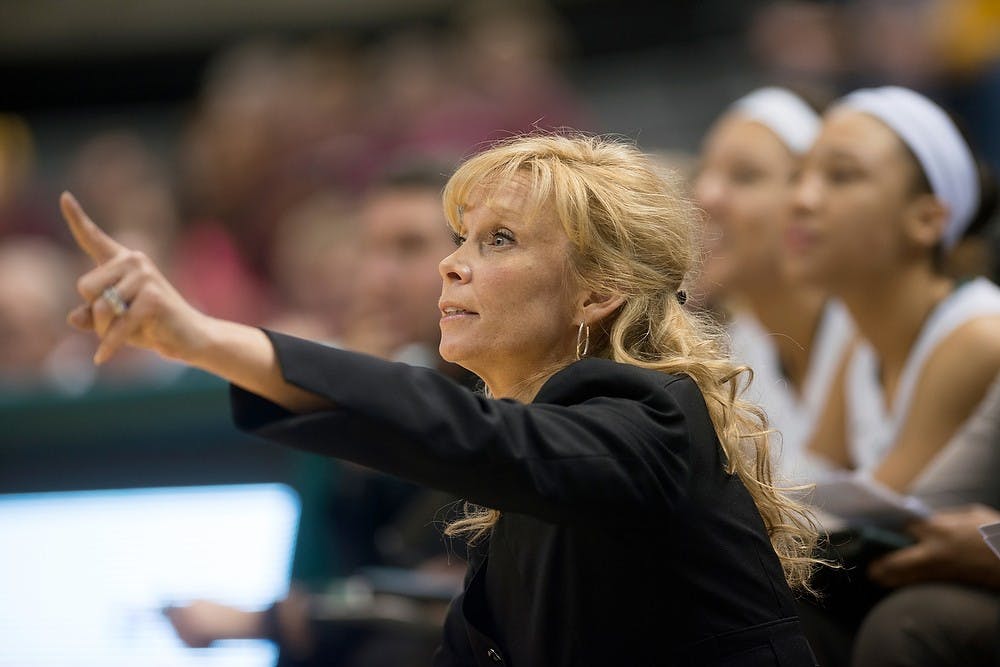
800	238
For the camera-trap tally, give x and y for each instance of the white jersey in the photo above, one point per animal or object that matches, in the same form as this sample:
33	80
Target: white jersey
873	427
792	414
967	470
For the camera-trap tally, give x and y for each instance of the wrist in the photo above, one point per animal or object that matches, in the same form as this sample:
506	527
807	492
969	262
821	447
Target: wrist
270	623
202	342
222	347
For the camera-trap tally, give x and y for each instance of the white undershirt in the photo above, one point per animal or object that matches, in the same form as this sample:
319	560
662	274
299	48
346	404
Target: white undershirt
872	427
793	415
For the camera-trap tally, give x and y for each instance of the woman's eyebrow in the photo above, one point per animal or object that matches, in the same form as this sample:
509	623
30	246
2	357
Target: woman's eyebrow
841	155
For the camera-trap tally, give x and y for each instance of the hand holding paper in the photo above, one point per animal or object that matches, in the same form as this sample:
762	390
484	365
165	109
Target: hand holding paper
949	548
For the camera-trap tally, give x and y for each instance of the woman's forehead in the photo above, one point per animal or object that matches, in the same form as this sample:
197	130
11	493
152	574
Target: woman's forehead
736	130
510	197
855	132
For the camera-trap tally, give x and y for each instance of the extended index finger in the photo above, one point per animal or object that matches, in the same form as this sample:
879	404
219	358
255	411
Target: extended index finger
88	235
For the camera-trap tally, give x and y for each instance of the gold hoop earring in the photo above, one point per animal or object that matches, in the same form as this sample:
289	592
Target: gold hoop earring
582	340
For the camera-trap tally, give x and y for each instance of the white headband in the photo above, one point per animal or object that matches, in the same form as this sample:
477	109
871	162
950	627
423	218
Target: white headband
782	112
937	144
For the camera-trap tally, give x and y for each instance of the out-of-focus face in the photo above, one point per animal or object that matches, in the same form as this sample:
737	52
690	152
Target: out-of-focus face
26	331
508	309
847	224
403	237
744	184
33	300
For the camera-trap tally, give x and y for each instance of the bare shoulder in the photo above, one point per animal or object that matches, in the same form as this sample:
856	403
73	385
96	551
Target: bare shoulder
971	351
962	367
952	383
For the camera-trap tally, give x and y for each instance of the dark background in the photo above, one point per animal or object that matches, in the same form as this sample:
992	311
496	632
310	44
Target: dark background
73	53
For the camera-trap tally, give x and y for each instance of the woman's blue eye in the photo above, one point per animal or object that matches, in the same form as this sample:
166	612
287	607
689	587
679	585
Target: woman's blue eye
501	238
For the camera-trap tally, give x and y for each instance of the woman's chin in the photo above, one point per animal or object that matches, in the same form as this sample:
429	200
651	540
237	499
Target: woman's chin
454	353
806	273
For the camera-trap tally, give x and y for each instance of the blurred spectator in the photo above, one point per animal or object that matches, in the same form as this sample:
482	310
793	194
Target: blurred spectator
874	217
512	55
883	420
789	332
801	43
128	187
497	72
35	279
22	209
321	85
38	351
232	139
949	48
318	142
230	146
352	517
313	264
965	36
402	238
889	42
323	138
275	124
946	609
410	82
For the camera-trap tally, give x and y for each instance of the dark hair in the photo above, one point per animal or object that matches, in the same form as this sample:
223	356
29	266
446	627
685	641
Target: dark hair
817	97
989	200
423	173
983	220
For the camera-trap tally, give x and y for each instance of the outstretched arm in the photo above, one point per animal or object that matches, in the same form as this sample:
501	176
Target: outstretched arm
158	318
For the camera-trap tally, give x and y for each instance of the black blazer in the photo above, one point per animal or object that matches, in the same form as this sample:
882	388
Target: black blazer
623	540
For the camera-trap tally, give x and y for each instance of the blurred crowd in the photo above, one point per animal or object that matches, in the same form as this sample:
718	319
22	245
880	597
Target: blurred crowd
301	193
251	207
252	211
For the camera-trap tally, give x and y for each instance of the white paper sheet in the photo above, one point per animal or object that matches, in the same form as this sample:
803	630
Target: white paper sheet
857	499
991	534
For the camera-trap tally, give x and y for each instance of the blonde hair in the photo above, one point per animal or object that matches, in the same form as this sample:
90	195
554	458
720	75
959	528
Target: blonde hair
633	234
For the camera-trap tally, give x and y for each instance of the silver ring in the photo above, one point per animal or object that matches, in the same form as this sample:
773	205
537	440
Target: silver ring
115	300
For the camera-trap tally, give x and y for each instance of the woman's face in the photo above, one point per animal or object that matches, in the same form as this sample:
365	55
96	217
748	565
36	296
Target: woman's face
745	185
508	309
402	241
855	187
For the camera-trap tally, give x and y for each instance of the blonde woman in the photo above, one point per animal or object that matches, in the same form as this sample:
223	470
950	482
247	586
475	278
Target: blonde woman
621	488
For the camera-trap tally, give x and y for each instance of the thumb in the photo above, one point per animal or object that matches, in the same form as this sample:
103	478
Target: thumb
82	318
98	245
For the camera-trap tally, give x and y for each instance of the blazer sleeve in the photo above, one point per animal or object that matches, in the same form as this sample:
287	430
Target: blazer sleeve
599	438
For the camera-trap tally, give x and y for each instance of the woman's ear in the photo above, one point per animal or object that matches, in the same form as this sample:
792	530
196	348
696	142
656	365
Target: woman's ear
925	220
597	306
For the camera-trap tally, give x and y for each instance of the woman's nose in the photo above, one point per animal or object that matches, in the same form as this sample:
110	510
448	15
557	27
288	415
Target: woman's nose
806	194
708	190
453	269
